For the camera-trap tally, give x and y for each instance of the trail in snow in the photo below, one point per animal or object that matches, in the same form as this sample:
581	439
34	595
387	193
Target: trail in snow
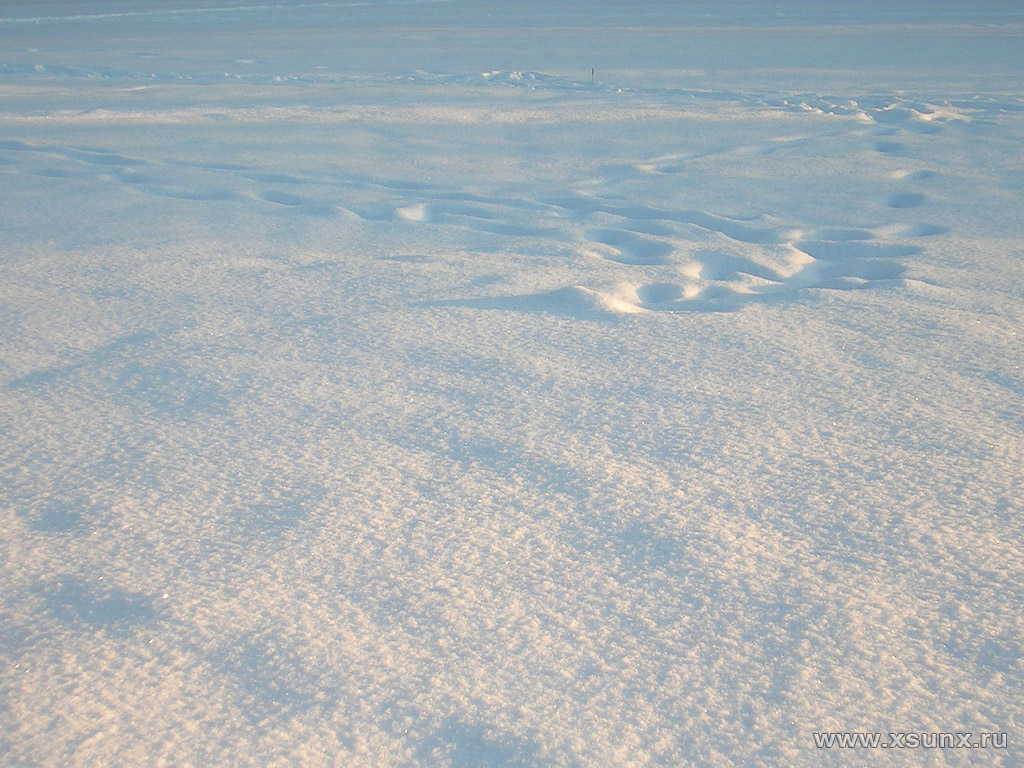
687	259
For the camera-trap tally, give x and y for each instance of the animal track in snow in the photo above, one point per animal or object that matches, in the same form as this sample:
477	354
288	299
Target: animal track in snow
726	281
723	266
660	294
649	252
717	279
886	147
628	247
758	260
903	199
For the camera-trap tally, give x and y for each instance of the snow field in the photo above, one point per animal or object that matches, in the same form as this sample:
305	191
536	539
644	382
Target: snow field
478	414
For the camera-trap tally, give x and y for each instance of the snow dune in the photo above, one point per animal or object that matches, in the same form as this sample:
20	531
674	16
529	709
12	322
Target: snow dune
382	387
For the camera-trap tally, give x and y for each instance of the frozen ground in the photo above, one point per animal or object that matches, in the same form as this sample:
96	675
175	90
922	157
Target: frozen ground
379	388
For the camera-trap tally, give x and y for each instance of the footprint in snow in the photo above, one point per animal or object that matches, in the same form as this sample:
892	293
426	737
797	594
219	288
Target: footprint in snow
905	199
627	247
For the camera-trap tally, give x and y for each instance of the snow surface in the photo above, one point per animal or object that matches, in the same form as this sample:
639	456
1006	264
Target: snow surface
380	387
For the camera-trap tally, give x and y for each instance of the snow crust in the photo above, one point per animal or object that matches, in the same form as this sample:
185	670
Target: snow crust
478	384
